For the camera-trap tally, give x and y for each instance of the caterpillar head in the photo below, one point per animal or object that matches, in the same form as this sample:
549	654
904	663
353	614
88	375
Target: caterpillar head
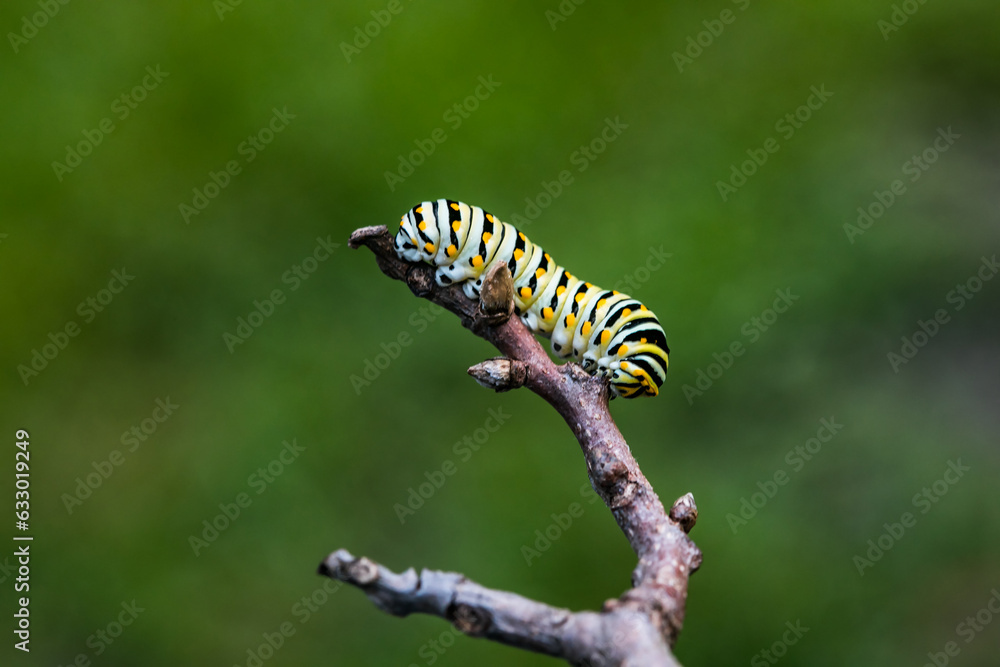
639	375
417	238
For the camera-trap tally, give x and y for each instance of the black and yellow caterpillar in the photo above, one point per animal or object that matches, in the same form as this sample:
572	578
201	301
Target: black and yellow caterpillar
609	333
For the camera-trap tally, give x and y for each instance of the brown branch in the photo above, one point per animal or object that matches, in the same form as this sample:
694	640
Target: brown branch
619	637
655	604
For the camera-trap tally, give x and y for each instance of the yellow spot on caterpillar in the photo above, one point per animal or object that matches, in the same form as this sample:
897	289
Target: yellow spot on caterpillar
422	226
413	240
486	237
489	216
605	336
454	206
586	328
626	312
641	307
615	292
624	365
642	340
452	250
547	257
560	290
569	276
600	304
570	319
540	272
477	261
546	313
525	292
518	254
588	285
420	209
579	297
622	351
456	225
523	237
429	247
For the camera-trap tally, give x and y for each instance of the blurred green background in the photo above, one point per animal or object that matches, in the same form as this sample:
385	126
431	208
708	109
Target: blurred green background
225	68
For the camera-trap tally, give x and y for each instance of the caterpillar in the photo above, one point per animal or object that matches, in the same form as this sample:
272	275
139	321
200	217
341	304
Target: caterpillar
609	333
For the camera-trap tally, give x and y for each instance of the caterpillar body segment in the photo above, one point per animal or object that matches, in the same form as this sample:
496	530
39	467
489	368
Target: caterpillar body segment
611	334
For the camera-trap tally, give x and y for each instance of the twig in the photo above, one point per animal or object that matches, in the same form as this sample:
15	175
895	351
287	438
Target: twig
648	617
618	637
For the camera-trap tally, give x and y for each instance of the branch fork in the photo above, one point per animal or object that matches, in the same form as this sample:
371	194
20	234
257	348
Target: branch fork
637	629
